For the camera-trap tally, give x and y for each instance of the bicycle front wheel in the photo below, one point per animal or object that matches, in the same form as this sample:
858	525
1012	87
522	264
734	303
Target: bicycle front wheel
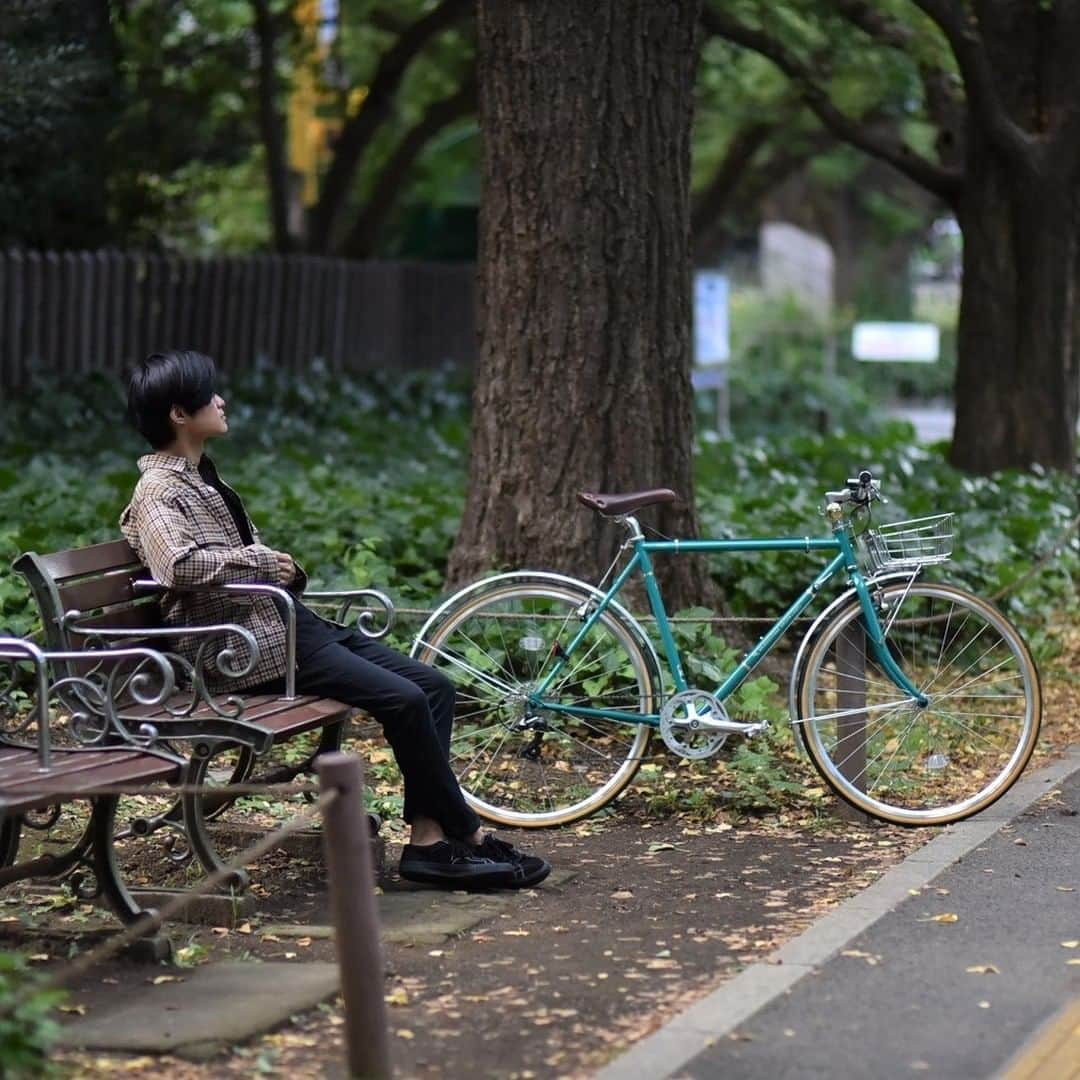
902	762
528	766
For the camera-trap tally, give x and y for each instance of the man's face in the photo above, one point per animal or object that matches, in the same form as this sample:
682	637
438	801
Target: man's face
208	421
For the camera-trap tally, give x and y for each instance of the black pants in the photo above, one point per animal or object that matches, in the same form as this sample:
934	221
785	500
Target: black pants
414	704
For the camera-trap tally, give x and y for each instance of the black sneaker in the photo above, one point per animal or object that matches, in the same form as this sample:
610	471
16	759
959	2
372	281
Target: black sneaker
454	864
532	868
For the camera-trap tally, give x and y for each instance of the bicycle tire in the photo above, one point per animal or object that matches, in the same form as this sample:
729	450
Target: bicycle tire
897	761
495	640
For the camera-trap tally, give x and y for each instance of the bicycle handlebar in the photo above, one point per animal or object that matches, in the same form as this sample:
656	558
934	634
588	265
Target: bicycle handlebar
861	491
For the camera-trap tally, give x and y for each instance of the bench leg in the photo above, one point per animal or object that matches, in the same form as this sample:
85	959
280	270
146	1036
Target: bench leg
106	866
199	809
10	834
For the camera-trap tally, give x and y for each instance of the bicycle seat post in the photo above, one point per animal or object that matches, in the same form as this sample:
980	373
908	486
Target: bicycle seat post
630	523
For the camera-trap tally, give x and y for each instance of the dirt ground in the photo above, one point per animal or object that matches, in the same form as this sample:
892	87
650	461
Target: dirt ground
654	915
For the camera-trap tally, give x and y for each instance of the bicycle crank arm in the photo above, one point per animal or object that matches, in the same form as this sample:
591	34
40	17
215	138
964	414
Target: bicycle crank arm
731	726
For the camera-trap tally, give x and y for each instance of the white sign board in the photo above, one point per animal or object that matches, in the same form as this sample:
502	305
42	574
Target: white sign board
712	344
905	342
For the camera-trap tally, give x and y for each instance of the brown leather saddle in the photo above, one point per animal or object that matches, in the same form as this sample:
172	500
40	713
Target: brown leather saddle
614	505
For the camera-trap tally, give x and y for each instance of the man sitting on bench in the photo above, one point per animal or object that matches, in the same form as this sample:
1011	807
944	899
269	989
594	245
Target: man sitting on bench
190	529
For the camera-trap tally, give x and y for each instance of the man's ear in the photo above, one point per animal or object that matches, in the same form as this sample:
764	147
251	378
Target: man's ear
177	415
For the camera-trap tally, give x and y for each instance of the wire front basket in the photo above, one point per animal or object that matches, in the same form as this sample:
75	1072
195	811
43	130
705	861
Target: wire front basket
904	545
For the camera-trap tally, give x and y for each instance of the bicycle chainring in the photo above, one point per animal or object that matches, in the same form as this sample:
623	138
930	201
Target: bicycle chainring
681	725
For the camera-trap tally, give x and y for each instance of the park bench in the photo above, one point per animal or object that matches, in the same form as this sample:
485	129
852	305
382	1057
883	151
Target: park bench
72	729
101	596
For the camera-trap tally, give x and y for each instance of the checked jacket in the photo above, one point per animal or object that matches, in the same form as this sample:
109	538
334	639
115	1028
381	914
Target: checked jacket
184	533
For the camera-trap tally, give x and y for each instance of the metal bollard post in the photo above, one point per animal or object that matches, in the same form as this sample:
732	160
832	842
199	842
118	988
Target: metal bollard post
356	923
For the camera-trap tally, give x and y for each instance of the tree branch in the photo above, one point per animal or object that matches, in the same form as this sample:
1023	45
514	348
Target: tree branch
271	126
756	182
361	239
962	35
875	24
713	199
942	182
358	131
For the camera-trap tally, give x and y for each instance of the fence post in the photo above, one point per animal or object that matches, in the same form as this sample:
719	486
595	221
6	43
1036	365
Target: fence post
851	730
356	924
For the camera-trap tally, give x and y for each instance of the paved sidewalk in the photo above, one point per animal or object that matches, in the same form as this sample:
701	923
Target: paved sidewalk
948	966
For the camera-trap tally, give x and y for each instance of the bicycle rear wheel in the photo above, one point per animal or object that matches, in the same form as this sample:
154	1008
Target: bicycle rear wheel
897	760
533	767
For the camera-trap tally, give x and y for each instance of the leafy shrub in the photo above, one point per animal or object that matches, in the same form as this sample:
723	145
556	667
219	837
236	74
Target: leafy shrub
27	1028
363	478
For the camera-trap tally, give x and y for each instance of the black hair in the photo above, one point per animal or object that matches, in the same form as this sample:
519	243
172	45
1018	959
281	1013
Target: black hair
179	377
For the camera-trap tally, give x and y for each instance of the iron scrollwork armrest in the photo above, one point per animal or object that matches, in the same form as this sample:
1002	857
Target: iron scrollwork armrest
277	591
92	699
228	660
346	598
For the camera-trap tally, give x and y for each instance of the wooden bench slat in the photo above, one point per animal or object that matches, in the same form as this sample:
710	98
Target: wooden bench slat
96	559
274	713
73	772
67	766
114	588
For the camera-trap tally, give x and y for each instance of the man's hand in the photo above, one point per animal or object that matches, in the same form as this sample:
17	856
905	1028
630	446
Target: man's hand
286	567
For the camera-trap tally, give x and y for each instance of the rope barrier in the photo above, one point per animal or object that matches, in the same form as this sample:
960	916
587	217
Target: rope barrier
153	920
165	788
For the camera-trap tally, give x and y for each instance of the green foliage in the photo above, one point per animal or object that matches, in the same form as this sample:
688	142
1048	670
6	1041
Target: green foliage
363	479
56	105
27	1027
775	486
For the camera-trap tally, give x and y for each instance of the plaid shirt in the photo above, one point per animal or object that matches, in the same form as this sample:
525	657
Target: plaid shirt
182	530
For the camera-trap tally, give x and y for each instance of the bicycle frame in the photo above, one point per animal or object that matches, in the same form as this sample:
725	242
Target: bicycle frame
843	561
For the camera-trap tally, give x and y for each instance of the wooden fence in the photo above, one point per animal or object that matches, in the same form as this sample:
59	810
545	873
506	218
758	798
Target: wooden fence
98	311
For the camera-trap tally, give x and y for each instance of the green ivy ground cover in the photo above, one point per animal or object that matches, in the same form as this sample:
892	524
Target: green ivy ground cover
363	479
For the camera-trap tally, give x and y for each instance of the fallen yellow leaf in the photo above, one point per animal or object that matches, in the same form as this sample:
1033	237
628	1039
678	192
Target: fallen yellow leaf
944	917
158	980
983	969
397	996
1070	944
244	928
404	1033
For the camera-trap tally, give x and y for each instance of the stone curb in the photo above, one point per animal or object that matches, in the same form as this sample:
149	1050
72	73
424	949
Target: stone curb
683	1037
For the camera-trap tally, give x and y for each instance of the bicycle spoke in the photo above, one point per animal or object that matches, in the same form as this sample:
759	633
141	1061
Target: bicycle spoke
942	761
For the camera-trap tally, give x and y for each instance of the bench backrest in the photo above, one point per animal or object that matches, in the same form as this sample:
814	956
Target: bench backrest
96	580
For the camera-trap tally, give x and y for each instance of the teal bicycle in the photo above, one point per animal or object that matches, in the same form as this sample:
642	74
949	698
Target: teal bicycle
918	702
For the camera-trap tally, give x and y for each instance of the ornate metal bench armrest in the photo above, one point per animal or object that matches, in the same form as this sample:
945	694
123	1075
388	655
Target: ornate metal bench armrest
226	658
254	587
346	598
92	698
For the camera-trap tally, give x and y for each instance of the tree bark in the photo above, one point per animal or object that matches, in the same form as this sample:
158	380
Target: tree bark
1017	385
583	378
272	127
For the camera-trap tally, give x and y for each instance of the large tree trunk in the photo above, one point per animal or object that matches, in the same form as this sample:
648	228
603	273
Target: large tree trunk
583	380
1018	377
